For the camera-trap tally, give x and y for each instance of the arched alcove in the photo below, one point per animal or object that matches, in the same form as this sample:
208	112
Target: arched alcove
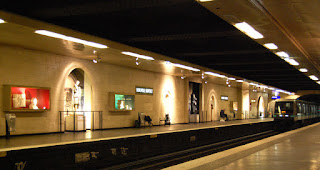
260	108
78	95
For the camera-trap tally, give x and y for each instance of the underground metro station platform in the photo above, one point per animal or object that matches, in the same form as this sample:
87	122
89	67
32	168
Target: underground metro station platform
109	148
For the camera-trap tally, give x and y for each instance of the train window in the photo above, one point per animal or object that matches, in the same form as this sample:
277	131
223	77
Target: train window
299	108
284	107
303	108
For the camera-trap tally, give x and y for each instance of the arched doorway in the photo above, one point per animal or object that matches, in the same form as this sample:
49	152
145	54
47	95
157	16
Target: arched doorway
261	112
77	97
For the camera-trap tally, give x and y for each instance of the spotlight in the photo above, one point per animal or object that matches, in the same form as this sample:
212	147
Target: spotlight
137	61
97	60
229	85
206	82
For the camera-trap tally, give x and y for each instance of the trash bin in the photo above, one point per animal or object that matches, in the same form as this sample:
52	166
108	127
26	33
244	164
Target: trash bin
11	122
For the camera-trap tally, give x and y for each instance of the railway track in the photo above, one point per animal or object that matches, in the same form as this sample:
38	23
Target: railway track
162	161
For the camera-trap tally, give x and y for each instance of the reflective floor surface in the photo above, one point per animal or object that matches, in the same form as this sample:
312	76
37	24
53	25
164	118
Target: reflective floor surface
300	151
33	141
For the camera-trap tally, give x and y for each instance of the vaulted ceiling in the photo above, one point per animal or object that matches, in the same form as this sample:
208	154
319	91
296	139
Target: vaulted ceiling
187	30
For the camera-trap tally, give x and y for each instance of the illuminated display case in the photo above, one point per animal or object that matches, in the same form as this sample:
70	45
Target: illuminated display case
121	102
26	99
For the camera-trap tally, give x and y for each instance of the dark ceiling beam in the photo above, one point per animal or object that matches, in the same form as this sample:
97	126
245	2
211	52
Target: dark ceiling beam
100	7
242	63
291	75
213	53
202	35
262	70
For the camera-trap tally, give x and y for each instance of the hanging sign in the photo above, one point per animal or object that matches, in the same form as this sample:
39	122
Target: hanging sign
144	90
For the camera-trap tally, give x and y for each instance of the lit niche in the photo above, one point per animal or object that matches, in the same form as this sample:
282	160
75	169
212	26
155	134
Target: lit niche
26	99
121	102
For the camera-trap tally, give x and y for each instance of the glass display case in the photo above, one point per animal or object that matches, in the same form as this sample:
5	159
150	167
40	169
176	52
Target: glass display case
121	102
22	98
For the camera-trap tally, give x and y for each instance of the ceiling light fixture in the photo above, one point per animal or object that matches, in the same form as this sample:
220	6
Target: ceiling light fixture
205	0
64	37
282	54
2	21
231	78
206	82
240	81
137	55
313	77
215	74
271	46
185	67
318	82
291	61
303	70
183	77
247	29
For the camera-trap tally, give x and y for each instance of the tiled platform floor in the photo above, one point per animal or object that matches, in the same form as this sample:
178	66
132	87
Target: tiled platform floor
300	151
34	141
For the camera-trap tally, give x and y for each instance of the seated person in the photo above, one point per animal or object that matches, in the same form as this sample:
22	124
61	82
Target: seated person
148	119
223	115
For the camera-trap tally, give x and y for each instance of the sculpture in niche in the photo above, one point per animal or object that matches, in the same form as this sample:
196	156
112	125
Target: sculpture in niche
77	95
19	100
194	103
33	105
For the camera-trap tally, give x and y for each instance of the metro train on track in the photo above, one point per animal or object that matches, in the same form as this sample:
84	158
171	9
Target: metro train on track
296	111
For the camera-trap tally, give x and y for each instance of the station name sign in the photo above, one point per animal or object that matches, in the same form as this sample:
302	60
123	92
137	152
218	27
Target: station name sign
275	97
224	98
144	90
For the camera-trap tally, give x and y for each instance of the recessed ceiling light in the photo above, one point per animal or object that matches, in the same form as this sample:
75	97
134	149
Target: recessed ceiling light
303	70
137	55
271	46
2	21
64	37
247	29
185	67
215	74
313	77
291	61
282	54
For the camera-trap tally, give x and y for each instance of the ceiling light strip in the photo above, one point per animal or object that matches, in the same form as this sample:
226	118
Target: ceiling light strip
68	38
291	61
282	54
303	70
185	67
2	21
271	46
215	74
137	55
247	29
313	77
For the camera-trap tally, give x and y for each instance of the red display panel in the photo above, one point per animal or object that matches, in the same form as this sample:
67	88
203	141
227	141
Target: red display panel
28	98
